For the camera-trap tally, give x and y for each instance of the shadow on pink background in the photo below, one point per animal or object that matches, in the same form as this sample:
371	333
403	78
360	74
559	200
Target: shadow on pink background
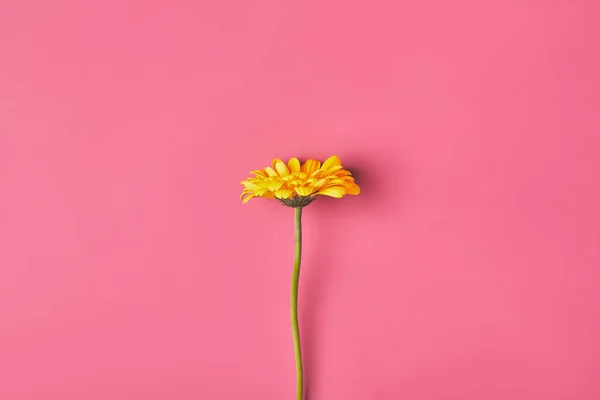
467	268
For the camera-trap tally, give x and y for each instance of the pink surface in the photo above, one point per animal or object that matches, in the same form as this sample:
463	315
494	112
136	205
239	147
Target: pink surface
467	269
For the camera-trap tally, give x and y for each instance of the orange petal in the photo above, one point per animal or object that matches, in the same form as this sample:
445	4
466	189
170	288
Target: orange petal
318	185
343	172
310	166
323	173
318	174
332	182
352	188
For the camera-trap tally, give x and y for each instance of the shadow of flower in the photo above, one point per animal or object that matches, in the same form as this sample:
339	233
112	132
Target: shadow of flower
374	175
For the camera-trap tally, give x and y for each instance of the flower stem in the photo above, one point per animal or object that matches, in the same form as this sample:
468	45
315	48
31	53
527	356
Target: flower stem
294	303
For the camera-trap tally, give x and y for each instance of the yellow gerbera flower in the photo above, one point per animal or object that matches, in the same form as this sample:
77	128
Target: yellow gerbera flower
297	185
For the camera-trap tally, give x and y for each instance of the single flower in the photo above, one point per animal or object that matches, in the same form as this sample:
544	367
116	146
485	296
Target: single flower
297	185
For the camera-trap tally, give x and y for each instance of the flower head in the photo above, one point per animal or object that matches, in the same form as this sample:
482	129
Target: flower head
297	185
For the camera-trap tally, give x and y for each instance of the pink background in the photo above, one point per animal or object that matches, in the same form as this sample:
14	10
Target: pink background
467	269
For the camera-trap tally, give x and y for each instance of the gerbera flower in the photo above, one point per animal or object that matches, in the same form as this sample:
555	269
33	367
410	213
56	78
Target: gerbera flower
297	185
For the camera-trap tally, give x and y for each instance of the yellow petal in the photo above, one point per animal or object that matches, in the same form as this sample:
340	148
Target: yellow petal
333	170
259	174
275	185
280	167
250	185
270	171
261	192
310	166
331	162
245	192
352	188
303	191
245	199
294	165
334	191
283	193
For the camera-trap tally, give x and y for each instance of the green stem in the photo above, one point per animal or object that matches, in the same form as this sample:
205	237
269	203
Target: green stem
294	303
